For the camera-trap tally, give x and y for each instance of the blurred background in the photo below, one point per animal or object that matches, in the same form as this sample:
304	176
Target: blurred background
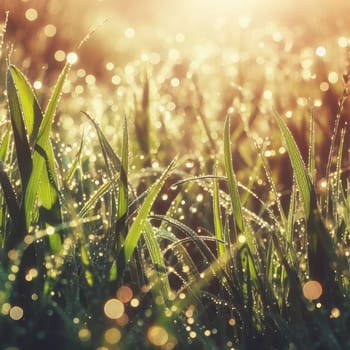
39	28
202	59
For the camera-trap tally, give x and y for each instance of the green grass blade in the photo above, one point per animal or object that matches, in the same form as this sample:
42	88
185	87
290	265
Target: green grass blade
45	127
42	176
153	249
70	172
4	147
13	210
112	161
311	156
29	105
123	184
218	219
272	184
23	152
339	189
102	190
291	216
301	176
137	226
194	237
321	252
231	178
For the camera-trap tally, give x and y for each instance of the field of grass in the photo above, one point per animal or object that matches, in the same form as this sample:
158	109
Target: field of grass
165	187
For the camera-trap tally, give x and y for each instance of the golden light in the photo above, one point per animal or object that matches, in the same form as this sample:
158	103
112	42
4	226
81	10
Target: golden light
60	55
241	239
335	312
312	290
114	309
37	85
157	335
113	335
124	294
50	30
16	313
84	334
31	14
135	302
72	58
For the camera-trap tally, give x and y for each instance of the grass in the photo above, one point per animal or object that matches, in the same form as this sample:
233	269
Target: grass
105	246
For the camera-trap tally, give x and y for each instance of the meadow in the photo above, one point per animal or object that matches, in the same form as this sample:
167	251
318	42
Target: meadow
174	184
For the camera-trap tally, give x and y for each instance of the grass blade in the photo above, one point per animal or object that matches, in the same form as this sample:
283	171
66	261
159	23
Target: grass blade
29	105
44	177
70	172
160	271
218	219
232	181
4	147
301	176
197	240
311	155
123	189
102	190
23	152
321	252
13	210
138	225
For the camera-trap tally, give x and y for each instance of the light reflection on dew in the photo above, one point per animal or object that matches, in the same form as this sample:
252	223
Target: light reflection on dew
84	334
50	30
129	33
134	302
112	335
321	51
114	308
333	77
16	313
60	55
335	313
124	294
5	309
312	290
157	335
199	197
31	14
72	58
241	239
37	85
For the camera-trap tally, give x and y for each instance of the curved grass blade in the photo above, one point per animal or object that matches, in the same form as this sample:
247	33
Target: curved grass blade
4	147
153	249
218	219
29	105
13	209
268	173
196	239
137	226
44	177
122	212
232	181
311	156
23	152
301	176
70	172
102	190
321	251
112	161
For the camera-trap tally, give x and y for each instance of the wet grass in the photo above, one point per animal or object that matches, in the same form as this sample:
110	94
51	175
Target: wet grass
134	233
